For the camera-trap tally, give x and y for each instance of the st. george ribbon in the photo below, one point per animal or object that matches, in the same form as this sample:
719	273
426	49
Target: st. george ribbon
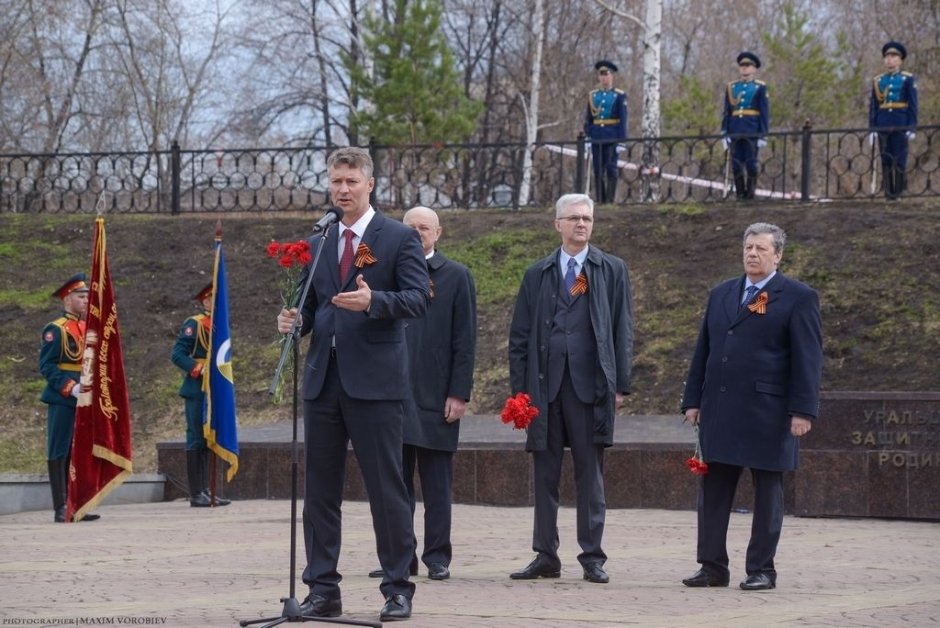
333	214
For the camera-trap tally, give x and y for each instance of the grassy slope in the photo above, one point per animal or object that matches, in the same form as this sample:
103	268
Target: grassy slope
875	267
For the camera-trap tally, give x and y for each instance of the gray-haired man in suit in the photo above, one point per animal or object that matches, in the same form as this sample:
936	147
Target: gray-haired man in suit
570	349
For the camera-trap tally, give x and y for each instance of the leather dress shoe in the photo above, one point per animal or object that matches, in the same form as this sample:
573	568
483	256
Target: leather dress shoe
541	567
380	573
315	605
594	572
396	607
702	578
758	582
438	571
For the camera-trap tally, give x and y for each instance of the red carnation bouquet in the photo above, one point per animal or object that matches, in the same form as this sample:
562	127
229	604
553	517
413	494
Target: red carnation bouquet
292	257
519	411
695	464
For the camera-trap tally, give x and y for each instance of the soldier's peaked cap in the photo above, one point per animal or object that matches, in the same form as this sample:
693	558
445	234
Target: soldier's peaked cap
604	63
75	283
749	56
895	48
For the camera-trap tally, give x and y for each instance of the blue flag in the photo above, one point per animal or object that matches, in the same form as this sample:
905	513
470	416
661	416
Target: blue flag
220	425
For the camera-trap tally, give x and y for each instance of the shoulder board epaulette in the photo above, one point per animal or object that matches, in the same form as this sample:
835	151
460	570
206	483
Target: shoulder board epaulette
906	73
759	82
618	90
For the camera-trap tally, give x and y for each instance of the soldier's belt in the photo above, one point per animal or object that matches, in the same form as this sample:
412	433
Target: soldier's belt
738	113
606	121
70	367
893	105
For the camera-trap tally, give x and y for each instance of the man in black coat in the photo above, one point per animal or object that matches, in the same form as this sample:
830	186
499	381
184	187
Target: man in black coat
753	390
372	277
441	348
570	349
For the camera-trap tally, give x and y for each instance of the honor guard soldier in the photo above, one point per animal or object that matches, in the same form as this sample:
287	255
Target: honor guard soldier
60	362
744	124
189	354
605	124
892	117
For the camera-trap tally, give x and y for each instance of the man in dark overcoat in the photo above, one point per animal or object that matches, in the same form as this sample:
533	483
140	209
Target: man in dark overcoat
372	278
570	350
441	349
752	390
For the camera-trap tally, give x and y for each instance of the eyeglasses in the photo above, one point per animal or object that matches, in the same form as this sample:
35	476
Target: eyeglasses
576	219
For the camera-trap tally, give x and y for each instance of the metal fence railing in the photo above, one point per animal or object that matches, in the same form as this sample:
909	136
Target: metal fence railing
800	165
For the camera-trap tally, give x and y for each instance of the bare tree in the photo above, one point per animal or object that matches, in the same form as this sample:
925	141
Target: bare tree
44	54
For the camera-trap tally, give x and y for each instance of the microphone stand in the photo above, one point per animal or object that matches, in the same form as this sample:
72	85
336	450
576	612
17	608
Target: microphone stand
291	611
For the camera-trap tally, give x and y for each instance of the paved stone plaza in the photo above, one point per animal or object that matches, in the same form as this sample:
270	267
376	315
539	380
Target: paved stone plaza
168	564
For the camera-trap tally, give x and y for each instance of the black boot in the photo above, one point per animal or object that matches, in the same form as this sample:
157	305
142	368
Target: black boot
194	478
751	185
740	186
600	193
901	182
58	478
204	458
611	188
890	185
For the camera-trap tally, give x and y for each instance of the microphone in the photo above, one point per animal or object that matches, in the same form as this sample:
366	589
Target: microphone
333	214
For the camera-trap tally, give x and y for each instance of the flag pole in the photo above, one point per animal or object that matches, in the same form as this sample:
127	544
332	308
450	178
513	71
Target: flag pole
215	281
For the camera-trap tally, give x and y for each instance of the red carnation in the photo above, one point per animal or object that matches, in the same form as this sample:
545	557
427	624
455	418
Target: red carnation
695	464
274	249
519	411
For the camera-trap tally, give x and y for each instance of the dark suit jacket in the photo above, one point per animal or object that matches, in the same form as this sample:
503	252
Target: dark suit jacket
441	348
370	347
751	372
611	309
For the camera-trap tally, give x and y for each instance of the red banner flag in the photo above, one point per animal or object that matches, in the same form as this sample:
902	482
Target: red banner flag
101	445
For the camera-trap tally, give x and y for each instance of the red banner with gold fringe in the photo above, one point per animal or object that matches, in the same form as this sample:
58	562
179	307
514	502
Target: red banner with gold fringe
101	445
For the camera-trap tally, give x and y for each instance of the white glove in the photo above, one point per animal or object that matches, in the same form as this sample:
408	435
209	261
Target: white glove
727	142
871	138
911	135
761	143
76	390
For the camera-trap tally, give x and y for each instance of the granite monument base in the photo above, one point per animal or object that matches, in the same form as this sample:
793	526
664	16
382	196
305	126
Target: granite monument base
868	455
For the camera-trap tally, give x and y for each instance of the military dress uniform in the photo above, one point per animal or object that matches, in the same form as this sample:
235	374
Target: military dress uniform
744	125
605	124
892	114
60	362
189	354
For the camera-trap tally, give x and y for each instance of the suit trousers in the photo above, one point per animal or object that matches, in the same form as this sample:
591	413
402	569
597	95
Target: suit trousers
436	471
715	499
375	429
570	420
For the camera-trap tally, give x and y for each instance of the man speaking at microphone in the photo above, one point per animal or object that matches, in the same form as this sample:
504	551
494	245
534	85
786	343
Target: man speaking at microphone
372	276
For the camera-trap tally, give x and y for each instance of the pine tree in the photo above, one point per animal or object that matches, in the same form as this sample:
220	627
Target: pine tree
415	95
